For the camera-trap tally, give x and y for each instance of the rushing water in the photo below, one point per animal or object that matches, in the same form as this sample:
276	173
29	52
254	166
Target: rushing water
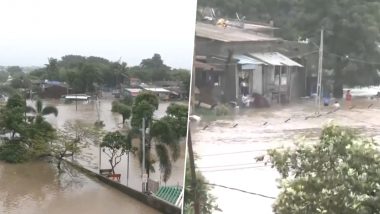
37	188
226	154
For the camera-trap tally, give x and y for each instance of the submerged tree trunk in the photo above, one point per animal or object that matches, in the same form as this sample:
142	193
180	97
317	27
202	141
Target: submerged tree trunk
112	166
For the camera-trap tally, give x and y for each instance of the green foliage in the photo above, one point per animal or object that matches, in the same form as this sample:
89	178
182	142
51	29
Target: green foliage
3	76
339	174
41	111
141	110
147	97
13	152
207	201
122	109
21	81
115	145
164	161
71	140
15	71
177	118
87	74
32	138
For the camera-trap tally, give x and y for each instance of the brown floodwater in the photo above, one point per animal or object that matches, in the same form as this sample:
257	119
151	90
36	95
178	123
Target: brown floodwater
226	153
37	188
89	158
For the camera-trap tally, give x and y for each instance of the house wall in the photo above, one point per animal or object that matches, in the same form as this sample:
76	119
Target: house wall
298	86
54	92
257	76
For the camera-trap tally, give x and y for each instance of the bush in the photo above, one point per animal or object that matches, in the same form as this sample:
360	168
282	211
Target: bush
222	110
339	174
13	152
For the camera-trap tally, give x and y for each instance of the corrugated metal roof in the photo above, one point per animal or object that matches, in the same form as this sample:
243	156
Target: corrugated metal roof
229	34
248	63
169	193
275	58
243	59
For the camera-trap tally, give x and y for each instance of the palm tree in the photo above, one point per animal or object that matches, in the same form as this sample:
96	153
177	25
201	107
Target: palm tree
41	111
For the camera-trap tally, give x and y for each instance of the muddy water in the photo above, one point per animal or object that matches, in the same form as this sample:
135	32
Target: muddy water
36	188
87	113
226	154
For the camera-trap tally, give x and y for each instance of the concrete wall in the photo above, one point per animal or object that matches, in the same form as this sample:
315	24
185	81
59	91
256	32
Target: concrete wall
150	201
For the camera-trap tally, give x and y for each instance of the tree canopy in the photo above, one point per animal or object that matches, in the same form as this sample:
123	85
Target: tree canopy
339	174
86	74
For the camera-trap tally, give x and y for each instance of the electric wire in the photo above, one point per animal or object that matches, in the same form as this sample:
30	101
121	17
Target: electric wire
240	190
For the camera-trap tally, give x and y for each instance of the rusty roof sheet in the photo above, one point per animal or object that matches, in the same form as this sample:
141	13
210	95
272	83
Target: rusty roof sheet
229	34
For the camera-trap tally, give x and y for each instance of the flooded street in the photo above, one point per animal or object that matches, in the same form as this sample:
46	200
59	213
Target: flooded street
36	188
89	158
226	153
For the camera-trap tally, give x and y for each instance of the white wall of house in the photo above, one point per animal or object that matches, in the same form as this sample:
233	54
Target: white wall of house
257	80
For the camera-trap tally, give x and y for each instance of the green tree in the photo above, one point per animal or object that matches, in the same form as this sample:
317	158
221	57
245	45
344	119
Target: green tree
162	132
52	69
71	140
41	111
15	71
207	200
121	108
23	140
339	174
115	145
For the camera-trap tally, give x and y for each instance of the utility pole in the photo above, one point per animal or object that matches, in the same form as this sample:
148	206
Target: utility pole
143	151
320	70
193	175
128	168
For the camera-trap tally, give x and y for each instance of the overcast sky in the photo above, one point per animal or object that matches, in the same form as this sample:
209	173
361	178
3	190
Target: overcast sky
33	30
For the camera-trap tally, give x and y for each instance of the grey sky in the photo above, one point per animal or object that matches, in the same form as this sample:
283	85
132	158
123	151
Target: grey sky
32	31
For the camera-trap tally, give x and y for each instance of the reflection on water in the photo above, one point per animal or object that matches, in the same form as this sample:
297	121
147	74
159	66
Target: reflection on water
226	153
37	188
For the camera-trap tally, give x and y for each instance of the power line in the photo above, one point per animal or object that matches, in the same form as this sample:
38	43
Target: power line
240	190
353	59
231	153
242	164
234	169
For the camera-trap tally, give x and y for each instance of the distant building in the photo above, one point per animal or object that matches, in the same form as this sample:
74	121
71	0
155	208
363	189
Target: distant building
53	89
162	93
133	92
134	82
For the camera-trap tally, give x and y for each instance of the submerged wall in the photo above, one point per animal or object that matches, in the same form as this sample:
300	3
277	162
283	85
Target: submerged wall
150	201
